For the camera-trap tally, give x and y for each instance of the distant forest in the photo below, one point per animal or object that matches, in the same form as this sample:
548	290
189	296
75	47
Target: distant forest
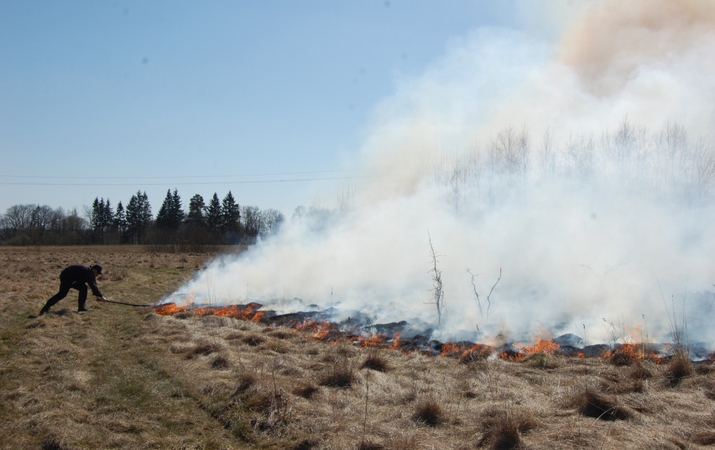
214	223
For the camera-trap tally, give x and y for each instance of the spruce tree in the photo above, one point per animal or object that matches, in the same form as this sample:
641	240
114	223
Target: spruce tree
230	214
213	214
101	218
177	210
120	222
138	216
170	214
196	210
95	219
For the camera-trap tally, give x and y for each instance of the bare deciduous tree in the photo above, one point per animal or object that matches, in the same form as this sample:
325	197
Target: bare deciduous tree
437	283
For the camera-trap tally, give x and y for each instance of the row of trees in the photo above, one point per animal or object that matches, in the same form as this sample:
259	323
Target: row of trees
218	222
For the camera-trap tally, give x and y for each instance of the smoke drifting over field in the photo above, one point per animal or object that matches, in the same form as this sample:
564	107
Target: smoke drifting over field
582	168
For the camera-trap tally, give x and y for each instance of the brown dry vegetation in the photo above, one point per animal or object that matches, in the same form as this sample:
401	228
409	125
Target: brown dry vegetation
124	377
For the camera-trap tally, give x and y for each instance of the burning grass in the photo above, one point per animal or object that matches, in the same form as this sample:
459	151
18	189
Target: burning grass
123	377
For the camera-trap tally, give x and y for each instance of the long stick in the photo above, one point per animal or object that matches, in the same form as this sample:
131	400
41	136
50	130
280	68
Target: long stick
124	303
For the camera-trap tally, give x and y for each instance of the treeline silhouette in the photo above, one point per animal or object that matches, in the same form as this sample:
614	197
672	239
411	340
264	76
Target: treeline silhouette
218	222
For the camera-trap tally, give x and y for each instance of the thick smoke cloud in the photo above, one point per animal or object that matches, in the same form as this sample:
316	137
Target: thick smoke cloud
564	185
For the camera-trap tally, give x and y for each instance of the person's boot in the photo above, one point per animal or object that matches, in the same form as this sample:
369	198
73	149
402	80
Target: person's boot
45	309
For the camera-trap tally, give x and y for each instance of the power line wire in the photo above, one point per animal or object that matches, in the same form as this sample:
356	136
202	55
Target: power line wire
185	183
266	174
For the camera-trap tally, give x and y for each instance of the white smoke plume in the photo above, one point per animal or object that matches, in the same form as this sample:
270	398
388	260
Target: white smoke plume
580	169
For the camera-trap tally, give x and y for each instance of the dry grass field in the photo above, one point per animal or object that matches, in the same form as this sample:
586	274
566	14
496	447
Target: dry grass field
125	377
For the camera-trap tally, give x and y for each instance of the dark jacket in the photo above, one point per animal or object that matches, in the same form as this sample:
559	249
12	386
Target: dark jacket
76	275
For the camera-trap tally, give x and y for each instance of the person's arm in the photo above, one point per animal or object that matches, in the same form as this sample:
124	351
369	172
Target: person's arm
92	282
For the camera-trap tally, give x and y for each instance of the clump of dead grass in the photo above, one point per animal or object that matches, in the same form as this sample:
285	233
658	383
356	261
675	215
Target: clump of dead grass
51	443
502	429
245	382
279	333
307	444
376	362
203	348
599	406
540	360
710	393
306	390
254	340
369	445
679	367
340	376
641	371
428	412
220	362
703	438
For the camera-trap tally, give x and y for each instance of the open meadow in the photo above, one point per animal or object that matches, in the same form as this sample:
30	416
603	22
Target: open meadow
126	377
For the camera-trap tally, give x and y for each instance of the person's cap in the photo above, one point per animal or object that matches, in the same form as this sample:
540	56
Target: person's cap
97	267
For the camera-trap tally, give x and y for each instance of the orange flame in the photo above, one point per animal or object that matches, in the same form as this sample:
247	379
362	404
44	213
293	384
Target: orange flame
373	341
543	345
320	330
510	355
168	309
327	331
395	340
632	352
247	312
450	349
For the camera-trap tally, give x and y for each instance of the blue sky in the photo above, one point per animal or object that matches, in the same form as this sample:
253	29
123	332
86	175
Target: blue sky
104	98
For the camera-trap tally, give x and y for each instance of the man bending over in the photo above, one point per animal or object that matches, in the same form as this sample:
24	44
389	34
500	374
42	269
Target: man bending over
77	277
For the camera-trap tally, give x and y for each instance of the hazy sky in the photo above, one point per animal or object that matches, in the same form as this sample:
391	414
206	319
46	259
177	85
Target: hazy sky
104	98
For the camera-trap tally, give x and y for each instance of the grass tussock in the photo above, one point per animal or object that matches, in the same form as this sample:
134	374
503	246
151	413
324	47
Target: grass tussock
502	429
540	360
428	412
307	390
339	376
254	340
203	349
703	438
599	406
369	445
51	443
306	444
375	361
245	382
121	377
679	368
642	371
220	362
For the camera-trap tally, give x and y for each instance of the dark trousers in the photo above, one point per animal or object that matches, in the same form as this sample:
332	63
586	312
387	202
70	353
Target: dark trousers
65	287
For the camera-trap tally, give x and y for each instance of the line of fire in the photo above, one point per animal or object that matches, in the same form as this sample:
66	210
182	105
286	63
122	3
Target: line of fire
394	336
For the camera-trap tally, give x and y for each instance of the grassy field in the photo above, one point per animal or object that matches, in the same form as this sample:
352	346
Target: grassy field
125	377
